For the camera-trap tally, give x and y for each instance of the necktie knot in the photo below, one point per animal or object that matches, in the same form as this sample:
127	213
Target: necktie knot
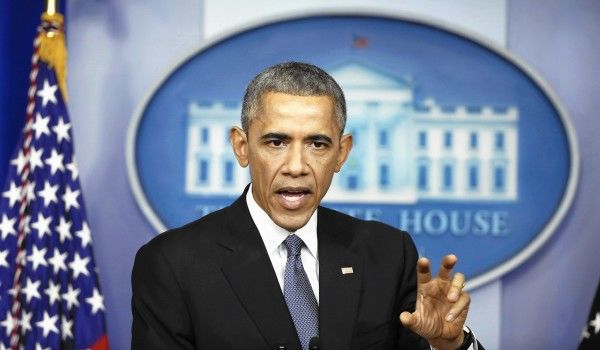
294	244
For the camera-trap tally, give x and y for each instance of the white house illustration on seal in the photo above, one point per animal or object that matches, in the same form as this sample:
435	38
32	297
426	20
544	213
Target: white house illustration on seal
404	151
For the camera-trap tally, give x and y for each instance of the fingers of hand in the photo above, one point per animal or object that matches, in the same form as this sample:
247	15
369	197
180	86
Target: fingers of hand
407	319
456	286
446	267
461	305
423	271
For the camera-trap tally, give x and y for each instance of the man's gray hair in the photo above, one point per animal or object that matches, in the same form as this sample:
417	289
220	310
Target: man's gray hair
293	78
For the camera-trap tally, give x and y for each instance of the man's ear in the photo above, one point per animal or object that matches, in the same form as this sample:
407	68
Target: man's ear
239	144
345	148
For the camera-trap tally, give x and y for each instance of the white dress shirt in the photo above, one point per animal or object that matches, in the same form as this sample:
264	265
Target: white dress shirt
273	237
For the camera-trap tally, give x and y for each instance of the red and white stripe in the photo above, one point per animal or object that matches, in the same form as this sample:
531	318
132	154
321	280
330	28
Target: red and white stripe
23	204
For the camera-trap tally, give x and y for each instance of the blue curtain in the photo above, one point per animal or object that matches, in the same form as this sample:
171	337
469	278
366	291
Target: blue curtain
18	23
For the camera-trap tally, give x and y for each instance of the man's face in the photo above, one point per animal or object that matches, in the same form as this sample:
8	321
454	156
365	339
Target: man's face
293	148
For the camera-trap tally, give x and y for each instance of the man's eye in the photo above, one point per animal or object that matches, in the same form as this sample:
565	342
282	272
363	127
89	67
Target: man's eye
276	143
319	145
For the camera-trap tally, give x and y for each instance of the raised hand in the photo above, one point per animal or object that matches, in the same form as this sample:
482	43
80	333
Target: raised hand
442	306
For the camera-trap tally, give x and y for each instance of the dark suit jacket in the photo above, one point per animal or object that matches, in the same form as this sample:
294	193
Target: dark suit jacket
210	285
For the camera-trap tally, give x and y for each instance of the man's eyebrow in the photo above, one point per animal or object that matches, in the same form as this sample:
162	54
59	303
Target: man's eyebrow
274	136
320	138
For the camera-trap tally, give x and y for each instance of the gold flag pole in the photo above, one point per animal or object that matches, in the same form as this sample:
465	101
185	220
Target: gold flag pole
51	7
52	49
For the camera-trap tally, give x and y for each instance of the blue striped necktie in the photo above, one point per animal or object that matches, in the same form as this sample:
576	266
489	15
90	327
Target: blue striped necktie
298	293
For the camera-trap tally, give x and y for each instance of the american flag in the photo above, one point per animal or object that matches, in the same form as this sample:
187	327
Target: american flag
50	297
590	335
360	42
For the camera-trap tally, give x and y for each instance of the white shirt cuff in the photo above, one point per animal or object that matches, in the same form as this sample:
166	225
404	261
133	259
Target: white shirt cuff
473	345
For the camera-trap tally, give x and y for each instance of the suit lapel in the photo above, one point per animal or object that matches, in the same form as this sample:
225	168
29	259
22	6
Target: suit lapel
339	291
250	274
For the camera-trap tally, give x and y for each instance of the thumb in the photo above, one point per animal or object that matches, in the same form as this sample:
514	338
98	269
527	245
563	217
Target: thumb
407	319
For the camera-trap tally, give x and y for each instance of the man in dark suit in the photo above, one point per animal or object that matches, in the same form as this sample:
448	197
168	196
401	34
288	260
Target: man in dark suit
275	270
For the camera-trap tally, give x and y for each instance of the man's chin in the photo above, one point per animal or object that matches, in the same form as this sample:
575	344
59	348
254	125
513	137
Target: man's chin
292	223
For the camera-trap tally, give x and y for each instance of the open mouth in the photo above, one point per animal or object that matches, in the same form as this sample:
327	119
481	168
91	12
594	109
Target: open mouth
293	197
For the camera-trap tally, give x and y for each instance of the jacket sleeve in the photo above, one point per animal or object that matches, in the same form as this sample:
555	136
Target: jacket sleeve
160	316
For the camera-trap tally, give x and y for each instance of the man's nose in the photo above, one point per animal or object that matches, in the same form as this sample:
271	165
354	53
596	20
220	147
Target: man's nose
296	161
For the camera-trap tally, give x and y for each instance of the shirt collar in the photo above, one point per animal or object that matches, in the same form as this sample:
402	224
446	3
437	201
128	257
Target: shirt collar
273	235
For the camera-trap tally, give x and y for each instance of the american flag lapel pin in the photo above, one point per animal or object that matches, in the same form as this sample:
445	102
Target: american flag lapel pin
347	270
